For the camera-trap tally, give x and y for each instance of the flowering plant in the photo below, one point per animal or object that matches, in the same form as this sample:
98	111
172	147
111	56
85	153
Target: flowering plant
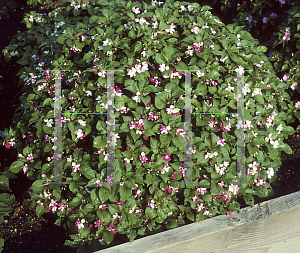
150	45
262	18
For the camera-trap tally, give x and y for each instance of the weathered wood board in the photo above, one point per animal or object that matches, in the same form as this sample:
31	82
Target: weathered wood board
271	226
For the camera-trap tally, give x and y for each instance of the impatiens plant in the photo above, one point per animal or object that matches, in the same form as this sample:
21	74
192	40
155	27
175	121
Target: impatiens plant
276	24
150	46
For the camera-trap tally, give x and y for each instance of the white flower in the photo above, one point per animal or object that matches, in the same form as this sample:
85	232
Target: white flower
136	10
131	72
199	74
233	188
279	128
275	144
190	8
240	70
229	87
195	30
256	91
270	172
240	124
163	67
106	42
81	122
223	60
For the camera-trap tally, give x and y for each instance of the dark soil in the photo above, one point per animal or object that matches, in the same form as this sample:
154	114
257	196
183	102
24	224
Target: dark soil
23	231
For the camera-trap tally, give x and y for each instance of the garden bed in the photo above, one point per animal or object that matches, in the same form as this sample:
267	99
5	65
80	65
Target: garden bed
46	237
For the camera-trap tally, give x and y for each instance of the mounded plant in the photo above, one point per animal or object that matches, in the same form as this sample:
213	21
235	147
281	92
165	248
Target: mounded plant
149	44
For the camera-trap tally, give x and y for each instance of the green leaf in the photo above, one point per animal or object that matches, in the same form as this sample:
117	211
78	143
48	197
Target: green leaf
48	101
263	192
261	49
287	149
7	198
132	217
207	197
259	98
105	13
171	223
165	139
154	145
99	142
89	207
4	183
103	2
131	234
215	189
205	183
75	202
37	186
178	141
113	208
159	101
205	8
94	198
159	58
103	194
163	25
132	34
39	211
108	237
213	74
190	216
16	167
125	192
150	213
168	52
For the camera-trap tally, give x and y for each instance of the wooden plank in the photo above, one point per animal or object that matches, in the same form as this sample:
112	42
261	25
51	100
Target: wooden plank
275	219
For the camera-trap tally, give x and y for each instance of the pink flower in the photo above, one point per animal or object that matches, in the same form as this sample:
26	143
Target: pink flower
30	139
61	206
145	138
178	59
297	104
112	230
119	203
229	213
7	146
91	226
173	176
166	157
103	206
83	37
98	223
143	159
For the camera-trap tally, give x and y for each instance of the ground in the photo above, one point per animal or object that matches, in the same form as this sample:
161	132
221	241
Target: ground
23	231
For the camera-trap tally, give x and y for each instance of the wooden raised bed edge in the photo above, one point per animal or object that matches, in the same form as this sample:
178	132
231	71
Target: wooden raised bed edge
209	226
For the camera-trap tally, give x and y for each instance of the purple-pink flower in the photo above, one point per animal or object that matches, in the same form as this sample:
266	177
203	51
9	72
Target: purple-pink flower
265	20
286	36
293	86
